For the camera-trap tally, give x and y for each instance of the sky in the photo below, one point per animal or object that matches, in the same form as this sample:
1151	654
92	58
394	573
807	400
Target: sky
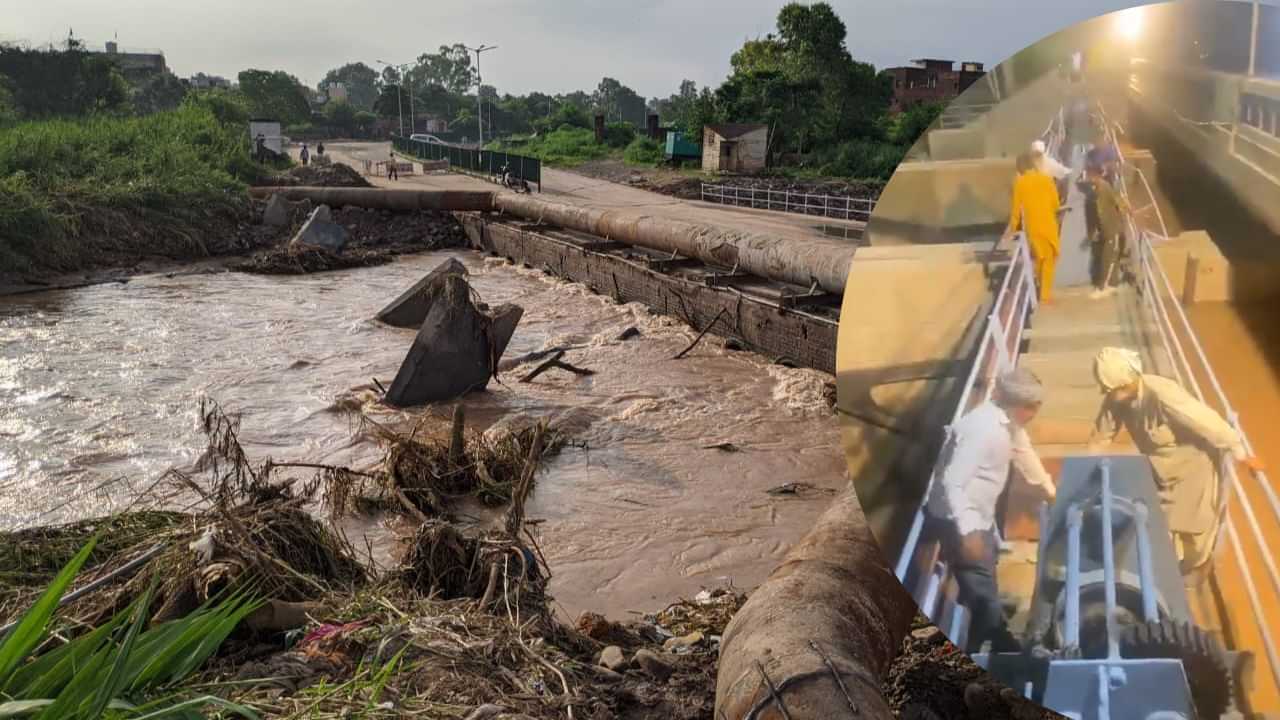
553	46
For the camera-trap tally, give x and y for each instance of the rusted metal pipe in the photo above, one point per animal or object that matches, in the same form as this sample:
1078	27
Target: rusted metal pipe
402	199
799	262
817	638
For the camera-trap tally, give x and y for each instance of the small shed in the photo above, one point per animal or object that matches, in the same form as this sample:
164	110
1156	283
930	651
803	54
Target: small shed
270	130
735	147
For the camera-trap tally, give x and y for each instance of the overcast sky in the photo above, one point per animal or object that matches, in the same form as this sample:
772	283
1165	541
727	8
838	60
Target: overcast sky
548	45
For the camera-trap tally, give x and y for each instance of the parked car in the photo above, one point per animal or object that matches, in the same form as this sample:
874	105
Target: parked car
427	138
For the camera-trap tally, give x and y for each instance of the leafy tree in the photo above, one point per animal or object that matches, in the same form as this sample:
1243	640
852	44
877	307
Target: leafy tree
449	68
157	93
360	81
907	126
341	116
763	55
365	121
52	83
566	114
275	94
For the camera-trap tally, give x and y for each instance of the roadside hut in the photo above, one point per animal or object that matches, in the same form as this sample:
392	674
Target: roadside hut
735	147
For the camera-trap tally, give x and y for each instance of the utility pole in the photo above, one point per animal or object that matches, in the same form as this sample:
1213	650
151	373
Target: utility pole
479	101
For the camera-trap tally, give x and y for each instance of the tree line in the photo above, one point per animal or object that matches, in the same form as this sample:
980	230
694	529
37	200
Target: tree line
826	110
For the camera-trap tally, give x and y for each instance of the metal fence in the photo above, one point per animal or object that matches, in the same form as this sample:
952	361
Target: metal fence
830	206
1191	367
486	162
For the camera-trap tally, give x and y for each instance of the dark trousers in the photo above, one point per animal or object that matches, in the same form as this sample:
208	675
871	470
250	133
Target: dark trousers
1106	259
973	565
391	171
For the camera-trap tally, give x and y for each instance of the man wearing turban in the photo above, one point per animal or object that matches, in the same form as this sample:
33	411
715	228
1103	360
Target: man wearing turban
1185	440
984	445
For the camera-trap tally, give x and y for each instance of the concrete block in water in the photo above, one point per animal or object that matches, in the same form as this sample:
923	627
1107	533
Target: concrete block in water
277	212
410	309
320	231
456	350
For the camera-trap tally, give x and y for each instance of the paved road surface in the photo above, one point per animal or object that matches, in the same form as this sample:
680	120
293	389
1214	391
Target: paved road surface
564	186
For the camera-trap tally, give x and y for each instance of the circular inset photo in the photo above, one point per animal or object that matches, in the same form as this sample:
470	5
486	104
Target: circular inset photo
1057	365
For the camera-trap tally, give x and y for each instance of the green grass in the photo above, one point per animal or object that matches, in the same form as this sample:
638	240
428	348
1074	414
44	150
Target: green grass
565	147
62	179
118	667
643	151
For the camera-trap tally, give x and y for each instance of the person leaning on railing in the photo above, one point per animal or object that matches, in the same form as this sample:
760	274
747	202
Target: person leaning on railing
1185	440
983	447
1035	208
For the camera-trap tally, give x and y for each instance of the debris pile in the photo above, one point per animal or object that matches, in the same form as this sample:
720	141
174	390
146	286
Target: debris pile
370	237
253	529
429	467
932	679
331	175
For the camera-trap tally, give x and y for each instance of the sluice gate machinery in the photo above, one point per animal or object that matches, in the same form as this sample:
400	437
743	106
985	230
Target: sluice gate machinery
1111	634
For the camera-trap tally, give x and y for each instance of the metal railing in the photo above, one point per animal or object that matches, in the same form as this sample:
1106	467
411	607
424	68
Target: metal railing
1159	296
997	350
484	162
828	206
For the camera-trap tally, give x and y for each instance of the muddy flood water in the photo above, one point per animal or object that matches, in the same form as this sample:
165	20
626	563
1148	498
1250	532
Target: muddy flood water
99	394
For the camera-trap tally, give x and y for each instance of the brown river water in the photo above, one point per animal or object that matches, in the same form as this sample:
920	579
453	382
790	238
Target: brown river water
100	387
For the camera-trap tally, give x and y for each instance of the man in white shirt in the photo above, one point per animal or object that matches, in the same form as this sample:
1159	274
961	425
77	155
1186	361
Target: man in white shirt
985	444
1051	167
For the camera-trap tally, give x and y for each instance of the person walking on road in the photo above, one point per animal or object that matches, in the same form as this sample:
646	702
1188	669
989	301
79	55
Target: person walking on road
1035	209
320	148
392	174
304	155
985	445
1187	442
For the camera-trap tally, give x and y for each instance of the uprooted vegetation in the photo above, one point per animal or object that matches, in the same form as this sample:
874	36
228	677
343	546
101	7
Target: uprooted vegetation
463	622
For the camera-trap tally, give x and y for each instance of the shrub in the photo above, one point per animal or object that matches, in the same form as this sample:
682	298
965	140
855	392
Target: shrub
618	135
643	151
862	159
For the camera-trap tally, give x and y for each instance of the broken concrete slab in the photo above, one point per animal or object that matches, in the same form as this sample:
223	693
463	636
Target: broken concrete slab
277	211
456	350
319	231
505	318
410	309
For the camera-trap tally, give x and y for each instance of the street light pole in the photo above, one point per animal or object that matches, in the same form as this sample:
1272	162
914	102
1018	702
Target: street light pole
479	101
400	105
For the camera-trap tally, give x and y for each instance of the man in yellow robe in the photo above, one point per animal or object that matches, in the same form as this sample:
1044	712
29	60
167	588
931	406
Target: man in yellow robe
1035	210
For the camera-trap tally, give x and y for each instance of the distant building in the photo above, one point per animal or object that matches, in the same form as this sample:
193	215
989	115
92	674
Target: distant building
135	63
204	82
436	125
735	147
336	91
931	80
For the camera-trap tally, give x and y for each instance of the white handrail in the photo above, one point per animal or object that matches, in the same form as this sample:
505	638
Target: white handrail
999	325
1231	478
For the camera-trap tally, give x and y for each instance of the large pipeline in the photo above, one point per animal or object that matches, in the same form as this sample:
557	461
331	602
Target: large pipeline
400	199
817	638
799	262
